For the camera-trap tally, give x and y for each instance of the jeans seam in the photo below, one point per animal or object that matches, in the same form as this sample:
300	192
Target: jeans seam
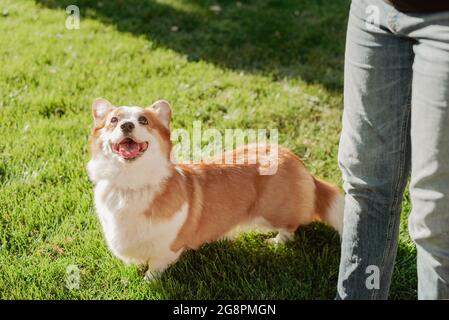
399	178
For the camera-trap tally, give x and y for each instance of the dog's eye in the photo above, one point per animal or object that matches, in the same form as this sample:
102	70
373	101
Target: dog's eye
143	120
114	119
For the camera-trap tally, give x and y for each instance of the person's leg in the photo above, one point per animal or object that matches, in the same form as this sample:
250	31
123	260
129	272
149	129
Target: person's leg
374	150
429	186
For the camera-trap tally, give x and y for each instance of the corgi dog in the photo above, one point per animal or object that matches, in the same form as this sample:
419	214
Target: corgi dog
152	209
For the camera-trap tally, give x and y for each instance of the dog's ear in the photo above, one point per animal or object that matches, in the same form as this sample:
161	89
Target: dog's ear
100	108
162	109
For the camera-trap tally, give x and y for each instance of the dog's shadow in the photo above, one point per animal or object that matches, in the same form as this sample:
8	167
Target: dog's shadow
250	268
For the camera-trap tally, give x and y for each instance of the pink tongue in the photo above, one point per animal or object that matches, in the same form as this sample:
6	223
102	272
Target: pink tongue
128	150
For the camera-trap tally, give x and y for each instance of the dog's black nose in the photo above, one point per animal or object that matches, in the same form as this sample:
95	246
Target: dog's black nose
127	127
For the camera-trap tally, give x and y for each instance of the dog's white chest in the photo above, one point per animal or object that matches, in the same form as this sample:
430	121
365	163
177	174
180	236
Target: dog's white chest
132	236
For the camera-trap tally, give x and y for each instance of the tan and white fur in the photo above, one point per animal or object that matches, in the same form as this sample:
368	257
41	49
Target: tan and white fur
152	209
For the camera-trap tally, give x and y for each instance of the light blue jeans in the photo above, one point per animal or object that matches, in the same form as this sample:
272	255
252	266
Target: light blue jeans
395	125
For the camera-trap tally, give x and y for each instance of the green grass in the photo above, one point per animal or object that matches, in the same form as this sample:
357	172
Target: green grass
255	64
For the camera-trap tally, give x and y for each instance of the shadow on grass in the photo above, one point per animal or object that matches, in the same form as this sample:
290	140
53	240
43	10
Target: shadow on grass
249	268
306	268
289	38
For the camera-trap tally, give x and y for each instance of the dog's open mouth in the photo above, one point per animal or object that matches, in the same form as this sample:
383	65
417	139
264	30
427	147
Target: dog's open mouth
129	149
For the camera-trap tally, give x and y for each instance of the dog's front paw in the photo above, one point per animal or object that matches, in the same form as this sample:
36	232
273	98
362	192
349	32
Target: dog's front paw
152	275
281	238
274	241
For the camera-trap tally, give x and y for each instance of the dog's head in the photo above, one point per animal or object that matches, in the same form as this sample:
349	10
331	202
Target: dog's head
130	145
